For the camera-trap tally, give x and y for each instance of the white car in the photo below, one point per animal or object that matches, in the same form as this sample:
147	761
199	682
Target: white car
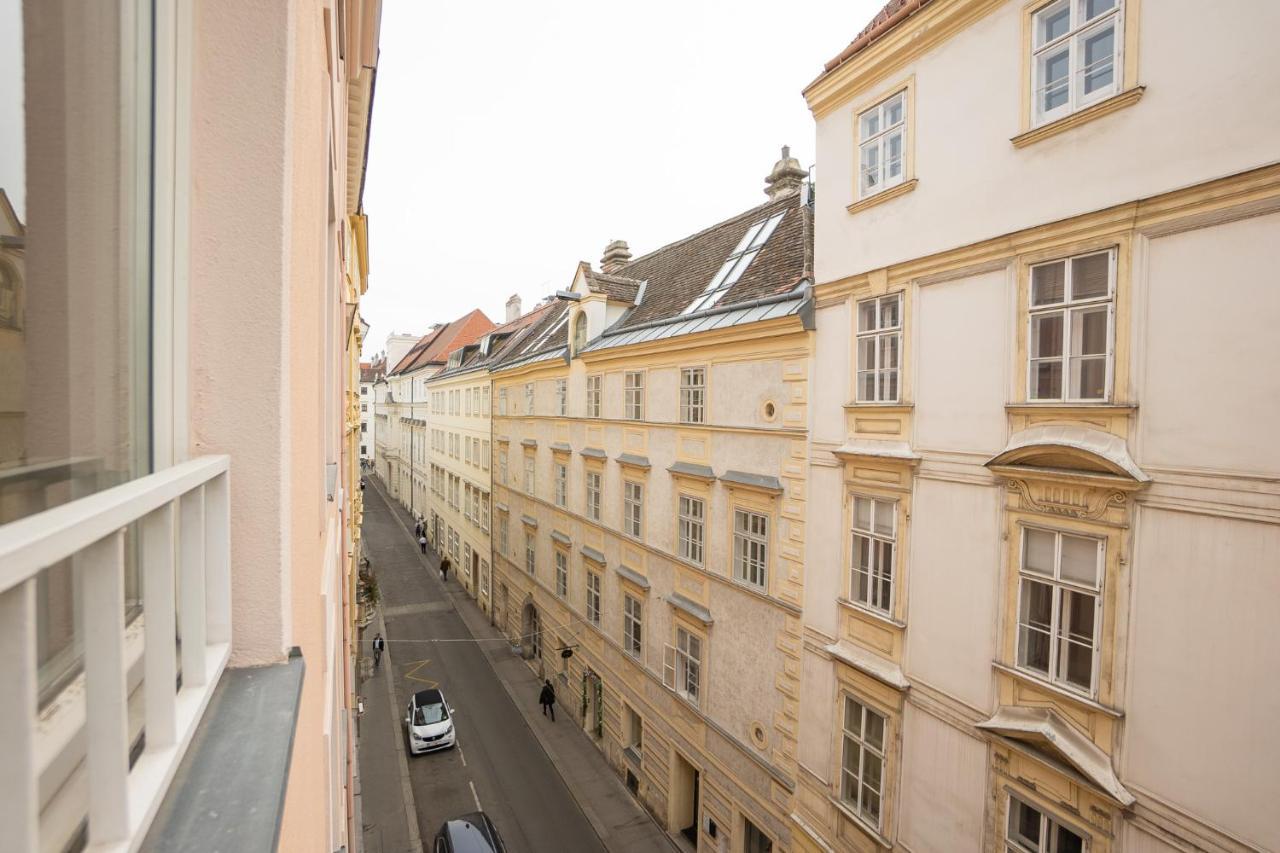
429	722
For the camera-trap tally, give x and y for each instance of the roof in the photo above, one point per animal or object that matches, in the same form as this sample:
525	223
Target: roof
616	287
434	347
488	348
430	696
545	338
889	17
369	372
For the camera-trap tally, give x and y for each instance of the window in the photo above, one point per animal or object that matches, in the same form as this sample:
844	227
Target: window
504	541
736	264
754	840
1071	318
693	389
1058	606
632	503
484	401
593	396
502	401
593	495
364	407
879	342
528	398
1075	56
635	731
633	393
579	332
874	538
528	474
1032	831
364	427
562	573
502	466
882	134
682	669
562	397
692	515
484	512
751	548
468	449
562	484
593	598
862	764
632	626
485	452
530	552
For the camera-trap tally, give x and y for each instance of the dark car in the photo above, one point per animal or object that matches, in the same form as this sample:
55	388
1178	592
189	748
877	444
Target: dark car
471	833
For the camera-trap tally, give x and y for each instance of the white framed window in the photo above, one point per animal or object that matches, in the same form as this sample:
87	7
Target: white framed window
529	482
502	466
593	395
879	349
635	731
632	626
692	522
593	495
485	453
633	395
862	760
632	508
1030	830
530	552
693	390
1075	58
875	536
754	839
504	539
593	598
468	450
485	407
1059	606
484	512
736	264
882	145
562	483
528	398
562	397
751	548
502	401
1070	321
682	665
562	573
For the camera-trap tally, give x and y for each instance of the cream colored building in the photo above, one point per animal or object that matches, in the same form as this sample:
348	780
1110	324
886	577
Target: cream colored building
649	499
193	244
1044	519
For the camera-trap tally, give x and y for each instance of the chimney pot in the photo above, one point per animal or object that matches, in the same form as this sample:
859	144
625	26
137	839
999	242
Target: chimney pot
616	256
513	307
786	177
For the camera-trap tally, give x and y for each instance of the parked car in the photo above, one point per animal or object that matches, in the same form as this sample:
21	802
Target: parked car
471	833
429	722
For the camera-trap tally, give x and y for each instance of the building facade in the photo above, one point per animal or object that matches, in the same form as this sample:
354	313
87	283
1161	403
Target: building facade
649	440
370	374
1043	517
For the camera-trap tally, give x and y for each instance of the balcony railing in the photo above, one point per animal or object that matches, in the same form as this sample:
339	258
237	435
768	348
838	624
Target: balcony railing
183	523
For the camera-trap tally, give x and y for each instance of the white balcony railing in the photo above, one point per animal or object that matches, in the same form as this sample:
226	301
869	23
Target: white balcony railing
184	557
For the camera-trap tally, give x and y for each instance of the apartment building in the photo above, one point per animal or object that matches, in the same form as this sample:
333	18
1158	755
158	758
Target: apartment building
1043	511
370	374
386	439
649	498
138	502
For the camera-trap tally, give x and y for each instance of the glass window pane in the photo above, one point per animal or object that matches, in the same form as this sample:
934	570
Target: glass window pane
1089	331
1077	621
867	315
874	737
870	123
1046	335
1080	560
1048	283
866	385
1037	604
1090	276
1024	824
893	159
889	350
1099	60
1054	22
893	110
1068	841
884	518
867	353
1089	378
1037	552
870	165
889	307
862	513
1046	380
1054	69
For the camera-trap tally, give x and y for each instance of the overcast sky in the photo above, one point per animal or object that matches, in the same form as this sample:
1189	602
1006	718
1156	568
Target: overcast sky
512	139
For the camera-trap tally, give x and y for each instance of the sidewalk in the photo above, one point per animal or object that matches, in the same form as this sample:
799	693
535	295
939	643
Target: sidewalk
622	824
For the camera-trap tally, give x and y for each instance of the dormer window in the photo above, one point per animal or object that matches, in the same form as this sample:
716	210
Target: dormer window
736	264
580	332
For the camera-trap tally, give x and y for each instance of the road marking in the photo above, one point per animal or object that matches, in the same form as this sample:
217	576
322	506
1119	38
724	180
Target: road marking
417	665
462	755
475	796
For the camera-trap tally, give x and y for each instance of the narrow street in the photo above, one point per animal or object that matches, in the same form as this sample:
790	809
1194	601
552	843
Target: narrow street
497	765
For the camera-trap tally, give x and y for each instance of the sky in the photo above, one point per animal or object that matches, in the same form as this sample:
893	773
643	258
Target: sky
511	140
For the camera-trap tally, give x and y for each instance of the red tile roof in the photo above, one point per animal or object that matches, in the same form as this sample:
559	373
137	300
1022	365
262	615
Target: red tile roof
434	347
893	13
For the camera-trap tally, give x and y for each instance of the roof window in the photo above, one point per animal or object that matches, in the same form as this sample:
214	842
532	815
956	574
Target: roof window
736	264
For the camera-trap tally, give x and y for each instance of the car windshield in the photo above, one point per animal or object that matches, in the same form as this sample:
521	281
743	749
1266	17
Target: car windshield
430	714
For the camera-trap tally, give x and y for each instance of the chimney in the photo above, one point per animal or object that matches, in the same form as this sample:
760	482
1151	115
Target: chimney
616	256
513	307
786	177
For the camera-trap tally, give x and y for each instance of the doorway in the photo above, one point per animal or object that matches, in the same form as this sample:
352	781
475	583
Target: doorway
684	799
592	704
475	574
531	634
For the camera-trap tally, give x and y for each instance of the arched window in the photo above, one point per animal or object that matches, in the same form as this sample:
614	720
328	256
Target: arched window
580	333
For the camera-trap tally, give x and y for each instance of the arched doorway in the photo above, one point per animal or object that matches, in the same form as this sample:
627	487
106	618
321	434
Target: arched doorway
530	633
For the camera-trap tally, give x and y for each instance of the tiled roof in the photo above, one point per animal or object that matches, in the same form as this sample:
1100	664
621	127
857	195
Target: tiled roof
474	357
547	337
435	346
675	274
893	13
368	372
614	287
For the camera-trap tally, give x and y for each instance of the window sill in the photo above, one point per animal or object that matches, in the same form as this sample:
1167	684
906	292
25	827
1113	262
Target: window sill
883	196
894	407
1058	690
879	616
861	822
631	755
1084	116
1069	407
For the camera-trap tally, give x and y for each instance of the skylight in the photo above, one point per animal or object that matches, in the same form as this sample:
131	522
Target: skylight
736	264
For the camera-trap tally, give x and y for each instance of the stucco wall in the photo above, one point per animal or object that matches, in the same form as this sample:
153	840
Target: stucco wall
944	775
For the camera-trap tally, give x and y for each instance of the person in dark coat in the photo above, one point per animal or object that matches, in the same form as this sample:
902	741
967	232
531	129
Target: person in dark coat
422	543
444	568
547	699
417	529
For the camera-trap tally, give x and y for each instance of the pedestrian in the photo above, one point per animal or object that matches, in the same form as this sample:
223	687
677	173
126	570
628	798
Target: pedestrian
422	543
417	529
379	645
547	699
444	568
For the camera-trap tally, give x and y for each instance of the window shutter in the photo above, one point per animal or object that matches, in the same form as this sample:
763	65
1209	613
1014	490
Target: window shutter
669	667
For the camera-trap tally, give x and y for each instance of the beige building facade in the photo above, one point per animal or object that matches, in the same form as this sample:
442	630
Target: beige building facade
1042	525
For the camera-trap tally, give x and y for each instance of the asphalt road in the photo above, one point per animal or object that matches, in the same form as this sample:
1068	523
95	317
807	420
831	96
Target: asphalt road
498	765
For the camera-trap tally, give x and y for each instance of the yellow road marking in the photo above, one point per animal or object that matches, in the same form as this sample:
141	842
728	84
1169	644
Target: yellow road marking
417	665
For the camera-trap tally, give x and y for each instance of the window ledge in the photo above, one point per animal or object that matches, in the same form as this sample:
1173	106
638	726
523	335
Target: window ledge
891	407
1059	690
861	822
883	196
1104	107
631	755
879	616
1069	407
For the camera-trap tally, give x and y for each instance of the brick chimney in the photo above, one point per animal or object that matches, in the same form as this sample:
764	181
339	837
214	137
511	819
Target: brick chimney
616	256
786	177
513	307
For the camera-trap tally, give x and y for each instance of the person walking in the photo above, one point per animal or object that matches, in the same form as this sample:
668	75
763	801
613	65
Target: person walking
445	565
422	543
379	645
417	529
547	699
